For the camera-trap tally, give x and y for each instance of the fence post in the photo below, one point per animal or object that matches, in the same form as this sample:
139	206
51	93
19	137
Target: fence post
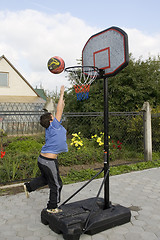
147	131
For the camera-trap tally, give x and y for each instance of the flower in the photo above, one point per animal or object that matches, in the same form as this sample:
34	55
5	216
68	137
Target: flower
98	139
114	147
76	141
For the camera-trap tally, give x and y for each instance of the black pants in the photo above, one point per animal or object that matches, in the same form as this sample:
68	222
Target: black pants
49	176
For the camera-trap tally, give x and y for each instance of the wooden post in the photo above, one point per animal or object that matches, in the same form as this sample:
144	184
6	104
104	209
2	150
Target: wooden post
147	131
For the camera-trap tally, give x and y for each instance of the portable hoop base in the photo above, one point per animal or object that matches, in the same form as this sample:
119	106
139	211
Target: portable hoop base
72	220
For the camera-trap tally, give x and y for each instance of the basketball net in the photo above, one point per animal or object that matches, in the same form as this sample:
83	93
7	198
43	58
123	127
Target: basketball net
82	77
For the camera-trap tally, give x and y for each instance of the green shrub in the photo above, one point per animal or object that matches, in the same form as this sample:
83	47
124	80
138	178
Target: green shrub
20	160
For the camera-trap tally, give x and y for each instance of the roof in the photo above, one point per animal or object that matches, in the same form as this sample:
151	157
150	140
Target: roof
19	74
21	99
41	93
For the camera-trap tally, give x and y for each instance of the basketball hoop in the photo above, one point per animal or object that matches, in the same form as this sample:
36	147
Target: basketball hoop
82	77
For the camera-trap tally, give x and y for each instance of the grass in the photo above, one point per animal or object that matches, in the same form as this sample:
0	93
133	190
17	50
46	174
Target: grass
83	175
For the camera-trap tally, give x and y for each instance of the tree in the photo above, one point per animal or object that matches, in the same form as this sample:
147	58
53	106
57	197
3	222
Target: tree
137	83
128	90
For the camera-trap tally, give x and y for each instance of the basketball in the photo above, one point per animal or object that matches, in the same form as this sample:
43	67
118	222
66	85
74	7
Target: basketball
56	65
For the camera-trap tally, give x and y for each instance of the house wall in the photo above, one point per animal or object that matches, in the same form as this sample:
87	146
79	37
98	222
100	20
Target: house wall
17	85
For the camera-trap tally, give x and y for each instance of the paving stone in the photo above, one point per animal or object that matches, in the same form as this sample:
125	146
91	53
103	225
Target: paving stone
20	217
132	236
149	236
49	238
25	233
41	232
99	236
13	238
32	238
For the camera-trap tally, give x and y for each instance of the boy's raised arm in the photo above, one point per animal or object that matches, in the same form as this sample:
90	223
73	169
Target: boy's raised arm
60	105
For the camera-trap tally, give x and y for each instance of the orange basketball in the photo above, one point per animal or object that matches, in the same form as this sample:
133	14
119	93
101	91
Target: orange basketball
56	65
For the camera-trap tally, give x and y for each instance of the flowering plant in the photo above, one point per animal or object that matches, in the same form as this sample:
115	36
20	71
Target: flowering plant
114	147
99	139
76	141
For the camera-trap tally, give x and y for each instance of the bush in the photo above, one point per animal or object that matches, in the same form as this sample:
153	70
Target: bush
20	160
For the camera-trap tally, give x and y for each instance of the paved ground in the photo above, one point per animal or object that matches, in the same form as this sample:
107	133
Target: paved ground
20	217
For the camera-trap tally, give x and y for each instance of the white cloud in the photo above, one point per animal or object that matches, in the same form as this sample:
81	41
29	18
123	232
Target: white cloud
29	38
143	45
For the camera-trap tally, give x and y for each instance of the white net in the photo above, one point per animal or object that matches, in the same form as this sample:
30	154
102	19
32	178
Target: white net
81	78
81	75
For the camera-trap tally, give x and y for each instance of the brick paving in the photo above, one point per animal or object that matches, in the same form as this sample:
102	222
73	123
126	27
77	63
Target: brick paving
140	191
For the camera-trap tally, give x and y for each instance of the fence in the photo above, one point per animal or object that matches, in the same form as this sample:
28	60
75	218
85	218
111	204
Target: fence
21	122
156	132
126	127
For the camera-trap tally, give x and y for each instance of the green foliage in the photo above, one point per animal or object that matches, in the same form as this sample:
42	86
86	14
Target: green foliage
83	175
128	90
156	129
86	155
79	176
20	160
134	167
25	145
137	83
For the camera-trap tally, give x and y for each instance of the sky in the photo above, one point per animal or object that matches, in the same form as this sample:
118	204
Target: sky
33	31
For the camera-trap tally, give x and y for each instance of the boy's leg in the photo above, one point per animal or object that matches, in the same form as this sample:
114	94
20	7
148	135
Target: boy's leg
55	185
37	182
50	167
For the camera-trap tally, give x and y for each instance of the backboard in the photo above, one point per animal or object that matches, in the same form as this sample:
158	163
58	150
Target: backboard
107	50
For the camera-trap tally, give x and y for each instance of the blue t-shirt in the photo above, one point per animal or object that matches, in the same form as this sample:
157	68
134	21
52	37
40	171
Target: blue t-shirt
55	138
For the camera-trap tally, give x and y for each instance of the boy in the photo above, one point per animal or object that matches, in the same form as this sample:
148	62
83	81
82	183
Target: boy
55	143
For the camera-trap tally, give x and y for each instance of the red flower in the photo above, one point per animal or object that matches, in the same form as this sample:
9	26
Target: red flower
119	146
2	154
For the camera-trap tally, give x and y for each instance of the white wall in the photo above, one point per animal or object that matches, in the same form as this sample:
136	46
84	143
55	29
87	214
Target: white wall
17	85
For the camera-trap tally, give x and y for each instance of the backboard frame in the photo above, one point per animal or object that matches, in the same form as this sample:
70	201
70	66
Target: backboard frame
107	51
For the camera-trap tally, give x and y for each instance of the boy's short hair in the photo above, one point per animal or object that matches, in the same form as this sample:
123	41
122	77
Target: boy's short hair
45	120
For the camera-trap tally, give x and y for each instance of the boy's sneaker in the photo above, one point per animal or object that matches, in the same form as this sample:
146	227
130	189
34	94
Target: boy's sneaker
56	210
26	191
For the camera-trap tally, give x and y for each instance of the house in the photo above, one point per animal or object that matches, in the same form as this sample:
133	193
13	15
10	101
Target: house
19	102
14	88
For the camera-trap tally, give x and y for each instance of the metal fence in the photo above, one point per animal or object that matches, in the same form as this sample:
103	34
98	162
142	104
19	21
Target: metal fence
21	122
126	127
156	132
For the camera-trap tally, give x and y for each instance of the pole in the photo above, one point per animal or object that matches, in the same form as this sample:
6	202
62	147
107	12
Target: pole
106	145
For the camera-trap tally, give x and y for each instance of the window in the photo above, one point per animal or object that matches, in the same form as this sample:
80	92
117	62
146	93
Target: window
3	79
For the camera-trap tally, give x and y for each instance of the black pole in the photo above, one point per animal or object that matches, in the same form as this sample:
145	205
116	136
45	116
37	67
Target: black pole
106	145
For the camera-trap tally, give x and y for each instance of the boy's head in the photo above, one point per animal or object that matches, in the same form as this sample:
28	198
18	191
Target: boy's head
45	119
